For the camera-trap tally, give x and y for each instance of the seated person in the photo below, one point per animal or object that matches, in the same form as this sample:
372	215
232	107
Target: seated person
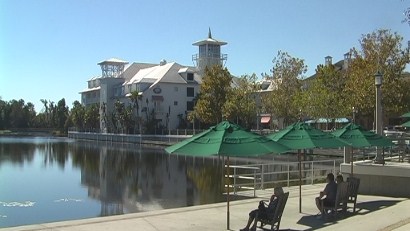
339	179
262	211
328	195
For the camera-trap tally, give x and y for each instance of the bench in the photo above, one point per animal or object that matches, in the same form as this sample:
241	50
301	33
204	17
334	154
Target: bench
274	218
353	190
342	196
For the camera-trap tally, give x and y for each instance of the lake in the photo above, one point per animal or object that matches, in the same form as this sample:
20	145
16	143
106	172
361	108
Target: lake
46	179
55	179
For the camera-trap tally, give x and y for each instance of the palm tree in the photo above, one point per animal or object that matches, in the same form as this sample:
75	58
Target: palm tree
135	98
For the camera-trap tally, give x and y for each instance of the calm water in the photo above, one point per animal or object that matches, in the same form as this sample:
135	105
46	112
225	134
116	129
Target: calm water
47	179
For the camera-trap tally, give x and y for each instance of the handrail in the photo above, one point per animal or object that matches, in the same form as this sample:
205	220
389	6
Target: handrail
263	175
235	176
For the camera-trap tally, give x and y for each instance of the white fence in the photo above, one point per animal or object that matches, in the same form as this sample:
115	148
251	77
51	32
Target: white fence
261	176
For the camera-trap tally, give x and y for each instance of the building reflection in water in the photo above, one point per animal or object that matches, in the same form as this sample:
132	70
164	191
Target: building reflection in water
128	179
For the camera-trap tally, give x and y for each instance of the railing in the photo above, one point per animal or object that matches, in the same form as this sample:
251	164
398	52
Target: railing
163	132
397	152
127	138
262	176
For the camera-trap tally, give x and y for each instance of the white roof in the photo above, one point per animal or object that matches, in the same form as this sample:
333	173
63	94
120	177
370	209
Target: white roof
186	69
209	41
112	61
183	70
160	73
91	89
129	94
95	77
132	69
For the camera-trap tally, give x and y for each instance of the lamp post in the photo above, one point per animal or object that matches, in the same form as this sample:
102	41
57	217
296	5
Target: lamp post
378	83
354	111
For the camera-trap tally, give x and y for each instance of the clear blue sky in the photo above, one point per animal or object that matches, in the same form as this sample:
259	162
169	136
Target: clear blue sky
50	48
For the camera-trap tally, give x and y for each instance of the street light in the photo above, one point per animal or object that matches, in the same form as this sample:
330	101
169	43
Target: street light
378	83
354	111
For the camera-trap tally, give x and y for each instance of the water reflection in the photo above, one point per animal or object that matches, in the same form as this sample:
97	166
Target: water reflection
129	180
121	178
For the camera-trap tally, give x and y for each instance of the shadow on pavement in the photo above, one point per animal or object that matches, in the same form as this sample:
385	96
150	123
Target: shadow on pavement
362	208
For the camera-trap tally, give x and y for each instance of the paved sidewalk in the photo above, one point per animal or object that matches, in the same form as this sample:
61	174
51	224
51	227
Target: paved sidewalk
372	213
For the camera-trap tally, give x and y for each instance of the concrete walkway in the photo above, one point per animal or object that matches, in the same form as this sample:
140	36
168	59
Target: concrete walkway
372	213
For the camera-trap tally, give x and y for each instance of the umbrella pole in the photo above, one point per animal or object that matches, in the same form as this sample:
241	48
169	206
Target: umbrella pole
351	161
227	196
300	181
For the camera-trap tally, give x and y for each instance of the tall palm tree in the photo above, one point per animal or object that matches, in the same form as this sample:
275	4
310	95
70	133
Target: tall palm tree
135	98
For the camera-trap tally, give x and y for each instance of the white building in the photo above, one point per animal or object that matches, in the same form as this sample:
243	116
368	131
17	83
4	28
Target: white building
168	89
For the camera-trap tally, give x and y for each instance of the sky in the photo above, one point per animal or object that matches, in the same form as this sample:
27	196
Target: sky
50	48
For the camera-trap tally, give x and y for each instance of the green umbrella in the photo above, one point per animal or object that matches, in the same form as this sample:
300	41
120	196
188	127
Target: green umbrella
359	138
406	115
407	124
302	136
226	139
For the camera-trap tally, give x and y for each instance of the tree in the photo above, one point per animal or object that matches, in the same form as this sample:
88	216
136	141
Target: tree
61	115
122	117
92	117
324	97
30	114
3	114
379	51
48	117
240	105
406	16
16	114
129	118
282	101
17	117
77	115
136	99
216	83
45	118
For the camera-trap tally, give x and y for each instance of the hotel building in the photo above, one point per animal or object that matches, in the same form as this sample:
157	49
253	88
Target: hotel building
167	89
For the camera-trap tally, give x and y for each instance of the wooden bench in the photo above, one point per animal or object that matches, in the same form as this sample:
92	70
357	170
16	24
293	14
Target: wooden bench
274	218
353	190
342	196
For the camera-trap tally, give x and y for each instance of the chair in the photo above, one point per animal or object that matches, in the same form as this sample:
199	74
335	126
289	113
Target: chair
342	196
274	218
353	190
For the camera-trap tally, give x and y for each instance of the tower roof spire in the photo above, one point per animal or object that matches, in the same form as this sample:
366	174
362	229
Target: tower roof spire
209	40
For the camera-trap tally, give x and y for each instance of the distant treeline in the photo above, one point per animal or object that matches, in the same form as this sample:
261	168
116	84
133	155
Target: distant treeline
17	114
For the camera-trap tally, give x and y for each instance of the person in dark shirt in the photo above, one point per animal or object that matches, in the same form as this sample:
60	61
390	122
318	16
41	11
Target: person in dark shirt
263	211
328	195
339	179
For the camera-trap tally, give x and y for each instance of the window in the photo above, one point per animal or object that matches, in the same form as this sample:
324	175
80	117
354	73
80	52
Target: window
175	88
190	105
175	103
190	77
190	92
158	107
